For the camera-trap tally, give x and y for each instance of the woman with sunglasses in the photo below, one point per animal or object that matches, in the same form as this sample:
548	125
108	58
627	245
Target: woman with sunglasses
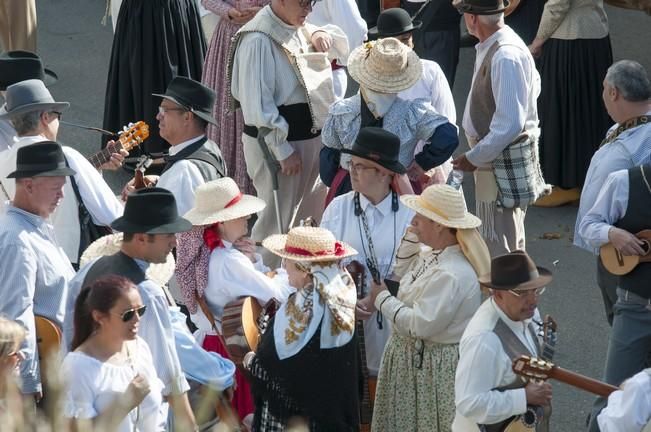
112	384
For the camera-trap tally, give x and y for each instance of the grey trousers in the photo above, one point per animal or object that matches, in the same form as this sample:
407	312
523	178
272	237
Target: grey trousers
607	283
629	345
509	226
18	25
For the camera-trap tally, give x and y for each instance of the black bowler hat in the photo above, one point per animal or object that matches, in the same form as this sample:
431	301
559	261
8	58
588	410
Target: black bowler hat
43	159
17	66
393	22
515	271
481	7
151	211
193	95
380	146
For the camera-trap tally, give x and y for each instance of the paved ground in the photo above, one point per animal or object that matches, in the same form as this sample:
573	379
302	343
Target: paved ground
74	43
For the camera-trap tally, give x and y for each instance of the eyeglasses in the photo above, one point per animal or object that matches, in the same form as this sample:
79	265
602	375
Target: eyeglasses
128	315
163	110
358	167
537	292
306	3
57	114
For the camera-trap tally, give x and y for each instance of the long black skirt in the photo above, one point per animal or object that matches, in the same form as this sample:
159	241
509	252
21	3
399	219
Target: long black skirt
573	118
155	40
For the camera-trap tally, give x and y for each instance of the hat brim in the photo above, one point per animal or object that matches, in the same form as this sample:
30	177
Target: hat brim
111	244
467	222
50	106
247	205
179	225
276	245
201	114
50	77
381	83
394	166
415	25
470	9
543	279
59	172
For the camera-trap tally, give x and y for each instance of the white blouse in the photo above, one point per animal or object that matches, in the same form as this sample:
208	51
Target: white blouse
94	385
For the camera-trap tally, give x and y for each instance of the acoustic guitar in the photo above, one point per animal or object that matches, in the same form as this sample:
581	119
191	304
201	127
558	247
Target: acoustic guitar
48	341
513	5
131	137
528	421
619	264
388	4
358	273
139	179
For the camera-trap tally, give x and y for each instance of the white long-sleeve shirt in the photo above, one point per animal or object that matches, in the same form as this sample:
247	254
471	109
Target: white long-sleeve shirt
345	15
97	196
434	87
484	366
516	86
629	409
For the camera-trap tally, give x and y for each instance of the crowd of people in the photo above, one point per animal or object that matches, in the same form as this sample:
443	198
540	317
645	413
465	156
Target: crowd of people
335	207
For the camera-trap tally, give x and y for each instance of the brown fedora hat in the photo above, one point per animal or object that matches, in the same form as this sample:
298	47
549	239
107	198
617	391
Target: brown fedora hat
515	271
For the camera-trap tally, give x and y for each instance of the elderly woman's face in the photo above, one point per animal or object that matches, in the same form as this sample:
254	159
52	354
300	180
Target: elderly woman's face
297	276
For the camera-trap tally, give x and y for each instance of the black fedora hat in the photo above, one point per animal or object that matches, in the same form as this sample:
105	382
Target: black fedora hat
17	66
393	22
482	7
515	271
43	159
193	95
379	146
151	211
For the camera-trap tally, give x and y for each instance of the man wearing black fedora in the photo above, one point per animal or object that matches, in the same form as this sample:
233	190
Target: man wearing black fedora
184	112
16	66
501	124
148	238
88	201
504	327
372	219
34	269
433	86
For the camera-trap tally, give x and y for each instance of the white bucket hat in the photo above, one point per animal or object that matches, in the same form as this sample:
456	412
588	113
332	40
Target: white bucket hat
111	244
220	201
385	66
308	244
444	205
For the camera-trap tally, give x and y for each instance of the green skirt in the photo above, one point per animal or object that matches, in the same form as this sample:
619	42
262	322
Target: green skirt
415	392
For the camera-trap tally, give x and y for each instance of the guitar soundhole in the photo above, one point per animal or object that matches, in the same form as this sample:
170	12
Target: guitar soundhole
530	418
646	247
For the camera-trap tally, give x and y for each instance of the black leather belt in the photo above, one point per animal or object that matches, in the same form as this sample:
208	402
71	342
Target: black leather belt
299	119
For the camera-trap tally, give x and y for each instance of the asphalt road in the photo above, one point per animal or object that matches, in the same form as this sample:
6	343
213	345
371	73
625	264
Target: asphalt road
74	43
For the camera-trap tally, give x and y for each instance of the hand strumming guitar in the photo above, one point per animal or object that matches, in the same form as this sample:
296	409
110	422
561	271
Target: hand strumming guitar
625	242
117	159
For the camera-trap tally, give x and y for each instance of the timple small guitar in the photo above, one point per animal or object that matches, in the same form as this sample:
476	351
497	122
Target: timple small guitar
130	137
48	341
619	264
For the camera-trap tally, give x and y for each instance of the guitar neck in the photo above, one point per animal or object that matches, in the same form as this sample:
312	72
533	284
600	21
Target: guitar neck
581	381
104	155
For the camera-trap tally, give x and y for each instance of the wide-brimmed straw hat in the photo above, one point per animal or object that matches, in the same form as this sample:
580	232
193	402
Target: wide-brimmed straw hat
220	201
308	244
444	205
111	244
515	271
385	66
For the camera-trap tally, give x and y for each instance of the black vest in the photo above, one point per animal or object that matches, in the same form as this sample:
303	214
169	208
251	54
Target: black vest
118	264
205	155
636	219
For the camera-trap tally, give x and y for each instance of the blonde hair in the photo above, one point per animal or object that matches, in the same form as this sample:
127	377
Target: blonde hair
12	335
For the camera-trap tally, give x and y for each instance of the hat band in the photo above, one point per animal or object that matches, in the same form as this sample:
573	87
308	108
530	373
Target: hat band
39	167
234	201
338	251
533	275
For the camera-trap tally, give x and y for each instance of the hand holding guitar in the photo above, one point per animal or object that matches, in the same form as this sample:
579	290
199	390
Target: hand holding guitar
117	158
538	393
625	242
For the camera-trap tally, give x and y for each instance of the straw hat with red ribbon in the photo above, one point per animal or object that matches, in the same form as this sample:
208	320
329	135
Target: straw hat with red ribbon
311	244
220	201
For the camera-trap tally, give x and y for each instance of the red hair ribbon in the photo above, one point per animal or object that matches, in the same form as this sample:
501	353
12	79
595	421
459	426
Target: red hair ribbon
211	237
339	250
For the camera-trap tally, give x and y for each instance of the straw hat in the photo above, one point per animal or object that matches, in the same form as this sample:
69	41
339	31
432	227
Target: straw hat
111	244
442	204
308	244
221	200
385	66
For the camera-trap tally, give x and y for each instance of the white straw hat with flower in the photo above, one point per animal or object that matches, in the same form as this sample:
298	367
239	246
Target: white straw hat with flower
385	66
308	244
442	204
161	273
220	201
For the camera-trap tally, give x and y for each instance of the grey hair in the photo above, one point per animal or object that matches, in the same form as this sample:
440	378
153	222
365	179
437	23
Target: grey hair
491	20
27	123
631	79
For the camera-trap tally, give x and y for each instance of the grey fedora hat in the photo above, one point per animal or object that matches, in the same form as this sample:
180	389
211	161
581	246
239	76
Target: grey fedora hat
27	96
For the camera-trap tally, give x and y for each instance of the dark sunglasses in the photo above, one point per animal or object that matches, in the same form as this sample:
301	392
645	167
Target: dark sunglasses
129	314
